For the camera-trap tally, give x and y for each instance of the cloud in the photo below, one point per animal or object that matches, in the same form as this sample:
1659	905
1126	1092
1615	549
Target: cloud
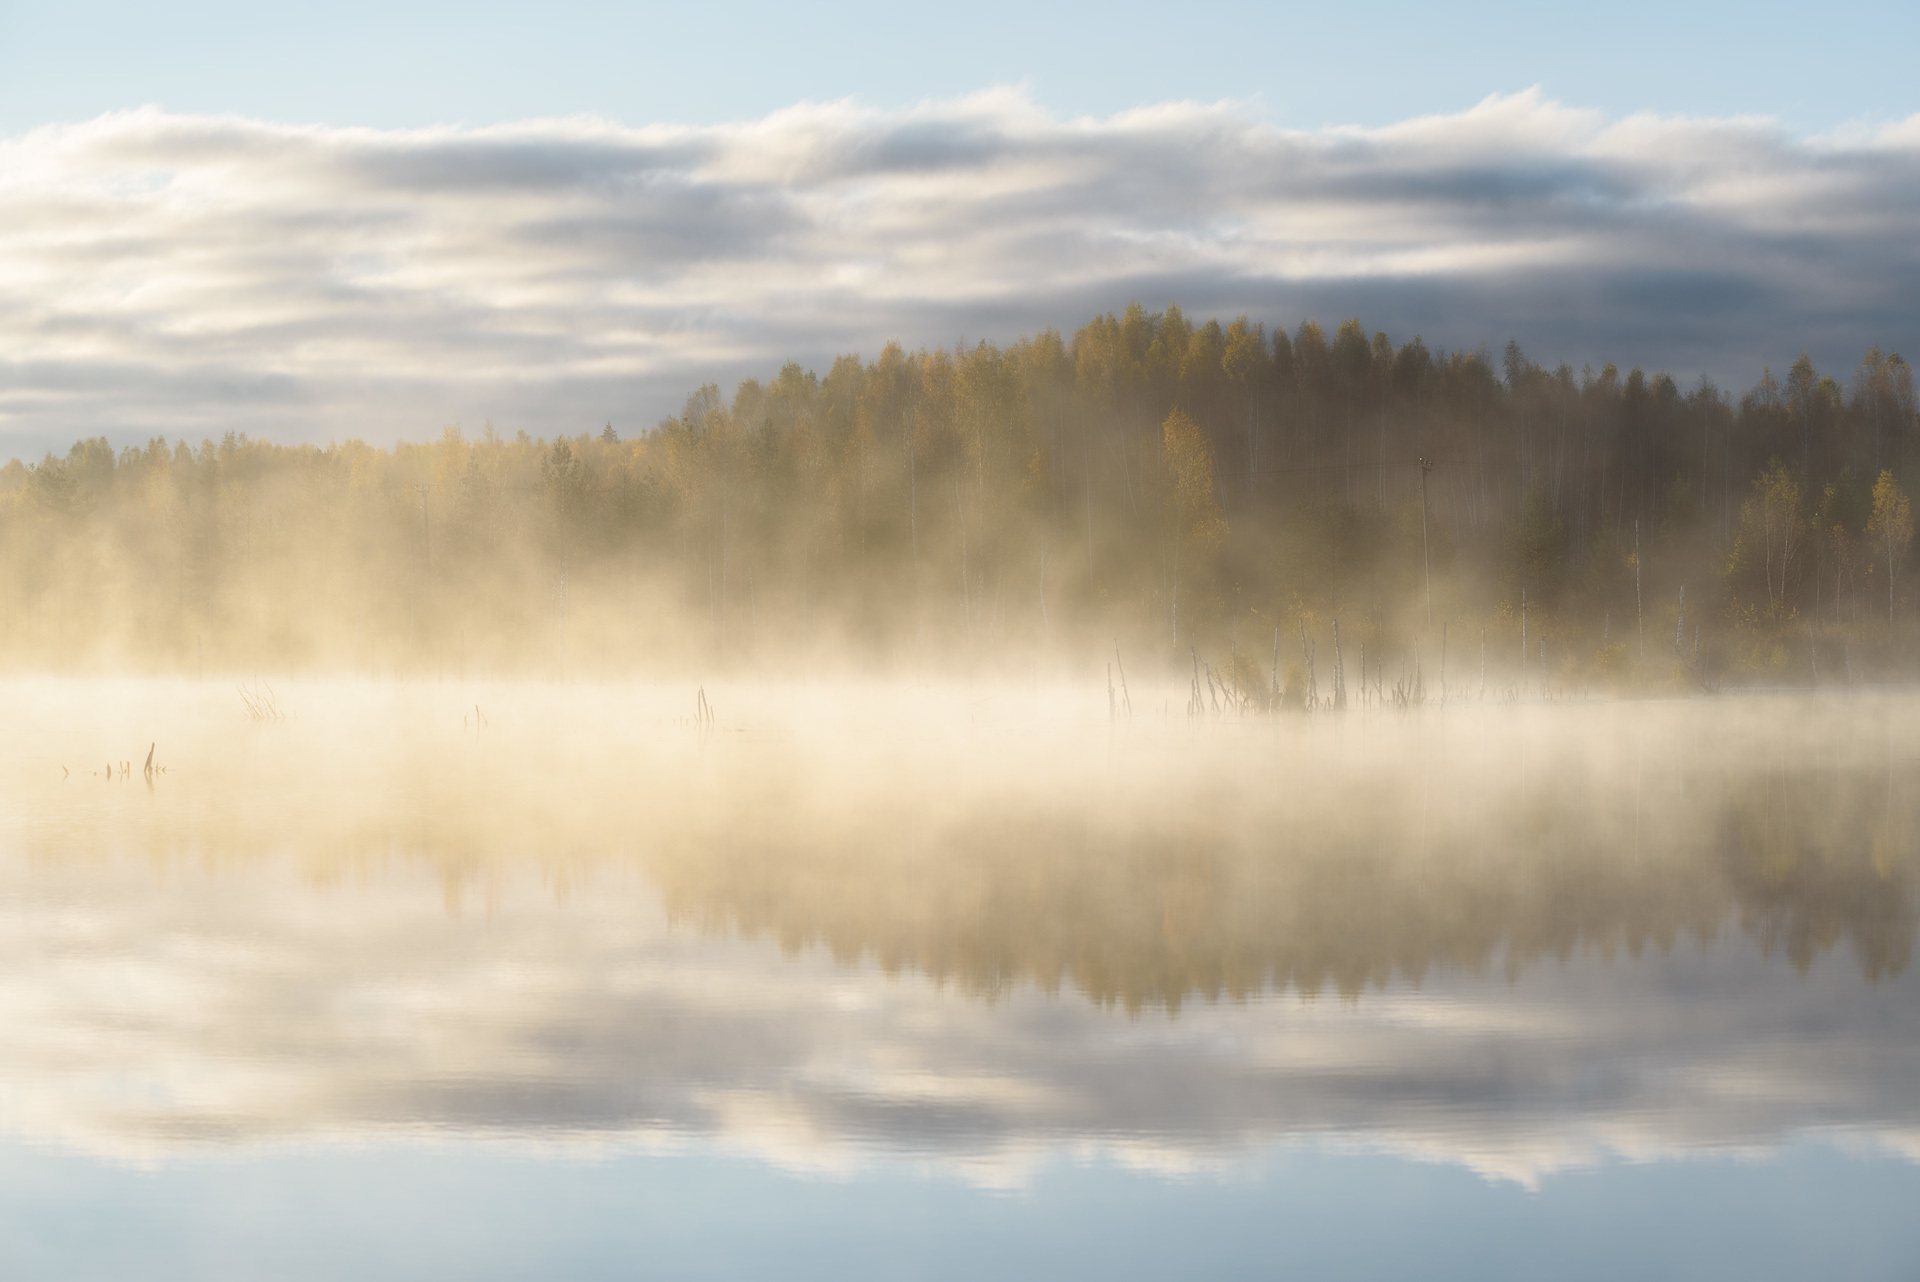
192	275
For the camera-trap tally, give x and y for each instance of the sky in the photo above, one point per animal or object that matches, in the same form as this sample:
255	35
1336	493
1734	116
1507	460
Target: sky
320	221
386	63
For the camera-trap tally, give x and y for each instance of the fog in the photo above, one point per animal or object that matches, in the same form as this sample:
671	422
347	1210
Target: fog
1275	510
1165	743
977	921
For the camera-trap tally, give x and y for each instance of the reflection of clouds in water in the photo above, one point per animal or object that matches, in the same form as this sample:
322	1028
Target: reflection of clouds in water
428	934
368	1011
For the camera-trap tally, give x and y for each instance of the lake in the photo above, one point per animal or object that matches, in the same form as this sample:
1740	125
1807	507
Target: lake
445	980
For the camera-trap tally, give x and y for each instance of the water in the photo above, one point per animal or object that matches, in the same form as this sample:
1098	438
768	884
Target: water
952	981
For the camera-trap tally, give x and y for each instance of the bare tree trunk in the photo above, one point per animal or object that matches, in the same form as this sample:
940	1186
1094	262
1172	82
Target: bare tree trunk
1307	652
1087	465
1523	639
1339	672
1639	615
1046	628
1276	667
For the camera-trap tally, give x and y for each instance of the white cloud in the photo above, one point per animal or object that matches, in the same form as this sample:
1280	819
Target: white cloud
195	274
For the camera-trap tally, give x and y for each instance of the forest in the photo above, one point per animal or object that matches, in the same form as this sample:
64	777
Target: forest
1288	519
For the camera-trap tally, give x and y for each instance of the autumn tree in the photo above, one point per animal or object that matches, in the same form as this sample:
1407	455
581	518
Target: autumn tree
1205	467
1890	529
1771	536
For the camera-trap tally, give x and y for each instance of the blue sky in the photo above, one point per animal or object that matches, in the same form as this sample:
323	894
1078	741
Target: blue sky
1303	65
313	221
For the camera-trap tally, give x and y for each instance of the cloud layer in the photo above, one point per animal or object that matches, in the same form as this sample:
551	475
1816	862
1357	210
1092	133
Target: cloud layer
197	274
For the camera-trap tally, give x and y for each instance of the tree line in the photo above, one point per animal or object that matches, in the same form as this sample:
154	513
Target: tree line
1213	495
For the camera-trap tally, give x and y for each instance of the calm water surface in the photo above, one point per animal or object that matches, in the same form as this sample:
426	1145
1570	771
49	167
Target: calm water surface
949	982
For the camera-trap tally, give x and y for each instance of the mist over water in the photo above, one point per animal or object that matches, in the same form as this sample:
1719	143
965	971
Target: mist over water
1002	775
980	924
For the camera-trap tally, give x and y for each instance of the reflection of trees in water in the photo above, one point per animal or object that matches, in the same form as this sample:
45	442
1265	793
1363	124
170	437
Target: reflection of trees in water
1813	857
1215	866
1328	893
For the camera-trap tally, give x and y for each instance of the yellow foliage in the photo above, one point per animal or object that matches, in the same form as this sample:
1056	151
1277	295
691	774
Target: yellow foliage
1189	460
